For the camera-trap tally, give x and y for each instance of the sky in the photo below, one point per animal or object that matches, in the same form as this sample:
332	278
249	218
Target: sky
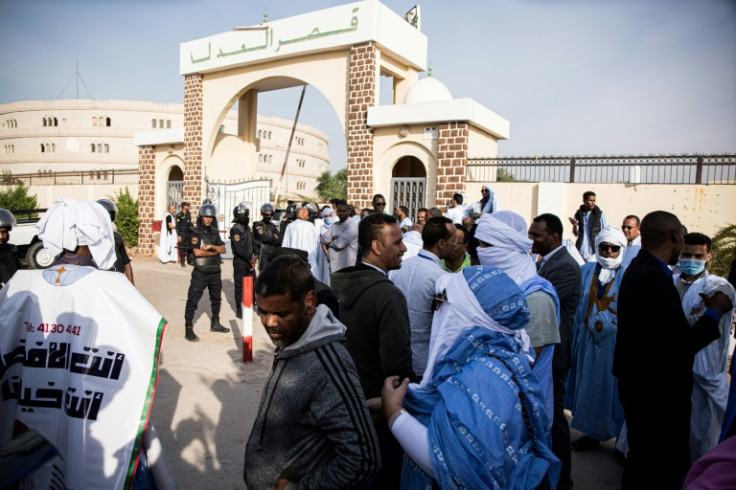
574	77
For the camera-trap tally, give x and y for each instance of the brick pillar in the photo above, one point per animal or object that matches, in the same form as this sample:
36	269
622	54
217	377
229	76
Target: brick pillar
361	95
452	161
146	198
193	162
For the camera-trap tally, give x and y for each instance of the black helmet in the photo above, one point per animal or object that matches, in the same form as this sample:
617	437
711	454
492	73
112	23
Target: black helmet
290	212
7	220
109	206
267	208
207	210
240	212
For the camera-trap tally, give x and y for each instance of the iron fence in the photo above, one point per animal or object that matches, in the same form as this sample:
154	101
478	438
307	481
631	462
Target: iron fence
650	169
112	176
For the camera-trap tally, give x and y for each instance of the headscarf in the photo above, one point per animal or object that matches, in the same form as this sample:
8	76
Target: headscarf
506	231
328	216
72	222
613	235
489	204
479	296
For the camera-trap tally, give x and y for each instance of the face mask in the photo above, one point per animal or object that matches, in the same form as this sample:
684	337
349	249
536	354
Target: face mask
329	220
491	256
266	219
691	267
609	262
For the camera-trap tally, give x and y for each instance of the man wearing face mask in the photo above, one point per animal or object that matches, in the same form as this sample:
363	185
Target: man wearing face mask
591	392
245	253
341	239
710	386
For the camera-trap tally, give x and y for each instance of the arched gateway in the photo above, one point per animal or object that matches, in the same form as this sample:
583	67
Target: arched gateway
342	52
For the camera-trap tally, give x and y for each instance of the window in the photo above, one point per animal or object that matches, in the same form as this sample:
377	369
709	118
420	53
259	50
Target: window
259	133
92	147
168	124
270	158
99	147
56	122
107	148
43	149
161	123
108	122
153	123
94	121
270	133
44	122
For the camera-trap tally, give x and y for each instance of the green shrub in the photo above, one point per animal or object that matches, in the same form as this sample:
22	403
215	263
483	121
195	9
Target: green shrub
723	248
127	217
15	198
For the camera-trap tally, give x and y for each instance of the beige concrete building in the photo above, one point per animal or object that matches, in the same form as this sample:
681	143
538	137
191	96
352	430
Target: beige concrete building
96	137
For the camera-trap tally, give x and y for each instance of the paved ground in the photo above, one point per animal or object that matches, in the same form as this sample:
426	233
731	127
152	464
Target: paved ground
207	397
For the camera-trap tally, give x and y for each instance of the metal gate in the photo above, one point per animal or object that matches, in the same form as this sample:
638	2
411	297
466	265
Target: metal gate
225	197
174	193
409	192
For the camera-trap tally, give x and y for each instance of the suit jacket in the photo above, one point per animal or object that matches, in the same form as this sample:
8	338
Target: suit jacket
564	274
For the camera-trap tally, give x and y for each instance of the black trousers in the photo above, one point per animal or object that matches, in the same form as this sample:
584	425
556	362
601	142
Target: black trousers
200	280
182	248
561	428
241	269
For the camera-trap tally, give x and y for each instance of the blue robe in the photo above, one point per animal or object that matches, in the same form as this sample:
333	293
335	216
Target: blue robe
591	393
473	413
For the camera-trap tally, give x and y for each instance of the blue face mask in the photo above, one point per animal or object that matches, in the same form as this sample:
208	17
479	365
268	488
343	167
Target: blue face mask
329	220
691	267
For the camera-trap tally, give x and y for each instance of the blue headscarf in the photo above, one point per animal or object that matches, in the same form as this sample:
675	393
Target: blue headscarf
328	215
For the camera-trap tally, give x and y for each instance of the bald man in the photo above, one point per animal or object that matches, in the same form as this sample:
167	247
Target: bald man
654	354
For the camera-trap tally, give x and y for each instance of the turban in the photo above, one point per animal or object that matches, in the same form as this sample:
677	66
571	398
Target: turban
72	222
506	231
614	236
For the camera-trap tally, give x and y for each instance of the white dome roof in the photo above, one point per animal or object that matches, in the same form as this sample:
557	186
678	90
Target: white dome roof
427	90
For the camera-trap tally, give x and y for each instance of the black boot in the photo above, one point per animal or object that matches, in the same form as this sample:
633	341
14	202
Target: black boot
216	327
239	312
189	333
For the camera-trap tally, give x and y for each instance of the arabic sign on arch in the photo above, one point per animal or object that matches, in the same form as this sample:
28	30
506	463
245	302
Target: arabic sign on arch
322	30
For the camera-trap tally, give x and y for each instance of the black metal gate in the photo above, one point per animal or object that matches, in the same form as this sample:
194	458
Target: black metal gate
409	192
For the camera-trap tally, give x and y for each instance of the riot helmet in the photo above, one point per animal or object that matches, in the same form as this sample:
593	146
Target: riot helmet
208	210
290	213
267	208
7	220
241	212
109	206
312	208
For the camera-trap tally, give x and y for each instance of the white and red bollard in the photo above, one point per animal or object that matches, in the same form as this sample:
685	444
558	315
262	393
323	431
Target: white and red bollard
247	319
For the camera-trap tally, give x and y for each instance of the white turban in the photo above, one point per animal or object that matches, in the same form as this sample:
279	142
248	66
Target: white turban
506	231
614	236
72	222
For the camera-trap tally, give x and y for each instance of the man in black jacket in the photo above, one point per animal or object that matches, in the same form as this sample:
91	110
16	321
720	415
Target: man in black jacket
589	220
653	360
558	267
245	253
183	232
313	428
377	320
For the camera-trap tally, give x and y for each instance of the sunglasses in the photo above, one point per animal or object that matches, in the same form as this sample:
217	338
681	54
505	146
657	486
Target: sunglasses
379	204
628	227
611	248
438	299
484	191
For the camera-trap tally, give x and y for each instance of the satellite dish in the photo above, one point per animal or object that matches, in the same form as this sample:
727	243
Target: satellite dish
412	17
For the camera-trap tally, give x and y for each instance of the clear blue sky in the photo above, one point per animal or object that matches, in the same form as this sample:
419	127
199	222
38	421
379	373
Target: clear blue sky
572	76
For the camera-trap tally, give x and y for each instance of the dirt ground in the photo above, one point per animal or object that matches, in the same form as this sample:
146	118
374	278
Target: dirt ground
207	398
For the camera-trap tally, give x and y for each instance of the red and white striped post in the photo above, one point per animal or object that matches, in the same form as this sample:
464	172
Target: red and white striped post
247	301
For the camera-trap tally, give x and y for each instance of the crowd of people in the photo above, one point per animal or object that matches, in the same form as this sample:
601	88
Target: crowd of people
444	352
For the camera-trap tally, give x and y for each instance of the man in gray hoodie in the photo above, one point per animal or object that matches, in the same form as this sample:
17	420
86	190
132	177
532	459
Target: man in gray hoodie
313	429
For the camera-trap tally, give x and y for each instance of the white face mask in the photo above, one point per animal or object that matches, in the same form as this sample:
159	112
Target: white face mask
609	262
492	256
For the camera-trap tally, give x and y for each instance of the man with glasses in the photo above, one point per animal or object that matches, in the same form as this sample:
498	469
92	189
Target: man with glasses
379	203
458	259
592	393
488	203
630	228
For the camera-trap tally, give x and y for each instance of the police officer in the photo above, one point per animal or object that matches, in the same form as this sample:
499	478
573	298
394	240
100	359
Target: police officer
313	211
184	231
266	233
288	217
206	246
245	253
9	261
122	260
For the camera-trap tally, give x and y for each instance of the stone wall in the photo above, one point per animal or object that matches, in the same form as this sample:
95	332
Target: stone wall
146	198
193	164
452	161
362	94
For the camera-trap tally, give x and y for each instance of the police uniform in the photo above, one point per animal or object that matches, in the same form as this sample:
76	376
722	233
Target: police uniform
184	231
121	255
244	248
206	273
269	238
9	262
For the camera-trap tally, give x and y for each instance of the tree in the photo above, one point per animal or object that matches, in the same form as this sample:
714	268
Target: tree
127	217
723	248
503	175
15	198
333	186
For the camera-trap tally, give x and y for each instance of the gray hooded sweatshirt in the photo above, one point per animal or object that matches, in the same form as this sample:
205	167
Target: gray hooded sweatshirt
313	427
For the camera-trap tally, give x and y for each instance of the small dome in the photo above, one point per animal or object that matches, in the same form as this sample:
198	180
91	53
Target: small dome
427	90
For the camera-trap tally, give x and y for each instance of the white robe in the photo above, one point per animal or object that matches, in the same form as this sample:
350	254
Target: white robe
344	250
300	234
167	251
